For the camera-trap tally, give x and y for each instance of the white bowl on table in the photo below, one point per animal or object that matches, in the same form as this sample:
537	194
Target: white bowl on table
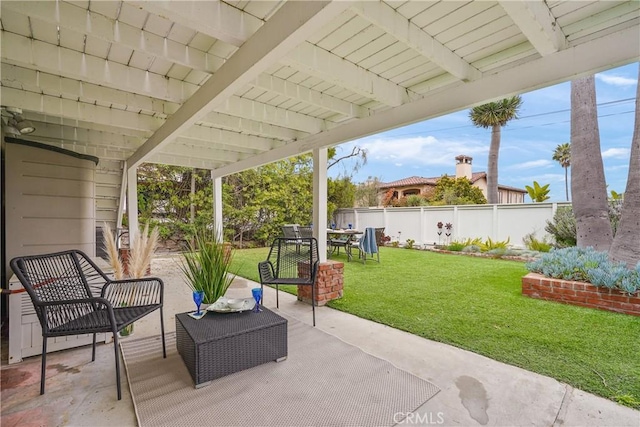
235	303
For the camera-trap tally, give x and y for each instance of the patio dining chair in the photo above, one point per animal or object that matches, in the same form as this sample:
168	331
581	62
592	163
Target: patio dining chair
60	286
367	245
291	264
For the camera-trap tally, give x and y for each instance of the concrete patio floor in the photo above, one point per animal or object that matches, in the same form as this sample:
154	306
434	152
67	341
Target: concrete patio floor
475	390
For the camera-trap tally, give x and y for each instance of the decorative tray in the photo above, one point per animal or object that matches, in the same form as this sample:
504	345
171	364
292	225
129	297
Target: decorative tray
220	306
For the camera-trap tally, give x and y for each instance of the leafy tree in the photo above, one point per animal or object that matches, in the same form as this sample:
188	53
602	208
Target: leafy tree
538	193
562	155
341	193
626	244
456	191
165	199
265	198
367	193
494	115
588	187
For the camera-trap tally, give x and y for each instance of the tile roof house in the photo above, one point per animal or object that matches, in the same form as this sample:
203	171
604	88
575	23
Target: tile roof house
420	185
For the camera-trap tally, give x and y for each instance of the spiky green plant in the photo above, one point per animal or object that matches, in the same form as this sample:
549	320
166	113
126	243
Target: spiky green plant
206	265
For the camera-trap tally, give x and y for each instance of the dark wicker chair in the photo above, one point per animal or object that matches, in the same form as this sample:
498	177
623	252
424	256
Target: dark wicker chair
60	286
291	263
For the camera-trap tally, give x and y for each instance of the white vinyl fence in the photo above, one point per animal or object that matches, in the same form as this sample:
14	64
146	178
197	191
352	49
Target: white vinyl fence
499	222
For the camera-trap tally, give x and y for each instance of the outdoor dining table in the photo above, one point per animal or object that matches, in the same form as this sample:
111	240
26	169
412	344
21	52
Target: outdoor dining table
350	233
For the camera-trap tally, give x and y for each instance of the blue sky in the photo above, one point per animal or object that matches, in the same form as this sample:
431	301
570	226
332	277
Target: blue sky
429	148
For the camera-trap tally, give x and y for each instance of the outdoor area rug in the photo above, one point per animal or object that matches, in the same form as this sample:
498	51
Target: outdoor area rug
324	381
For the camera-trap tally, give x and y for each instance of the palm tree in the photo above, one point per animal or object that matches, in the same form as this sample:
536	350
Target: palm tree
562	155
588	187
626	244
538	193
494	115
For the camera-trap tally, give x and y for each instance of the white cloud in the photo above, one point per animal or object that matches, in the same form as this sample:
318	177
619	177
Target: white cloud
616	153
542	179
424	150
542	163
616	80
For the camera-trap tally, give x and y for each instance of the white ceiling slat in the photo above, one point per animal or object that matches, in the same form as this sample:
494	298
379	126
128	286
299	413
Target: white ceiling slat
254	110
627	11
108	8
566	13
383	55
80	124
68	134
270	43
15	22
29	53
183	160
537	22
482	33
310	96
252	127
51	84
320	63
182	148
204	133
68	108
343	33
471	26
358	40
81	22
410	34
539	72
214	18
224	145
439	11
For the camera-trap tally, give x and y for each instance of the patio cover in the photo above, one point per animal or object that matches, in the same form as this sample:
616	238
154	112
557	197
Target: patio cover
230	85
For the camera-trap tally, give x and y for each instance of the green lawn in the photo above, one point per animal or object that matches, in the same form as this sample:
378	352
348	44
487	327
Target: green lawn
476	304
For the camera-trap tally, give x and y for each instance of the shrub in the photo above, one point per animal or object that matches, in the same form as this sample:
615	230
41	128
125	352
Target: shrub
409	244
497	252
456	246
490	245
532	243
395	244
563	226
471	248
587	265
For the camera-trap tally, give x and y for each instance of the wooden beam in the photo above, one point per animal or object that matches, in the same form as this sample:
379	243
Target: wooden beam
537	23
85	22
542	72
293	22
385	17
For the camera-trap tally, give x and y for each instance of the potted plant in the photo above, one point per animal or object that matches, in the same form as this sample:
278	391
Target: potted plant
206	264
133	263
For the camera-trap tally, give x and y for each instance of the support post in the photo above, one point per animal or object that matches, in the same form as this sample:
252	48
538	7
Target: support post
217	205
132	202
320	200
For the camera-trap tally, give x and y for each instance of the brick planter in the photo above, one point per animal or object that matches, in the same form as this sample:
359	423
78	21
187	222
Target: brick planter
329	284
580	293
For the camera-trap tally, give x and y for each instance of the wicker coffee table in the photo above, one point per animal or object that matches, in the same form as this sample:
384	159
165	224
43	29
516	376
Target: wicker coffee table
220	344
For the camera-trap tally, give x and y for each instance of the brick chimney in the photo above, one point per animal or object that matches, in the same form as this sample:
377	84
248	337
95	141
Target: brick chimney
463	166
